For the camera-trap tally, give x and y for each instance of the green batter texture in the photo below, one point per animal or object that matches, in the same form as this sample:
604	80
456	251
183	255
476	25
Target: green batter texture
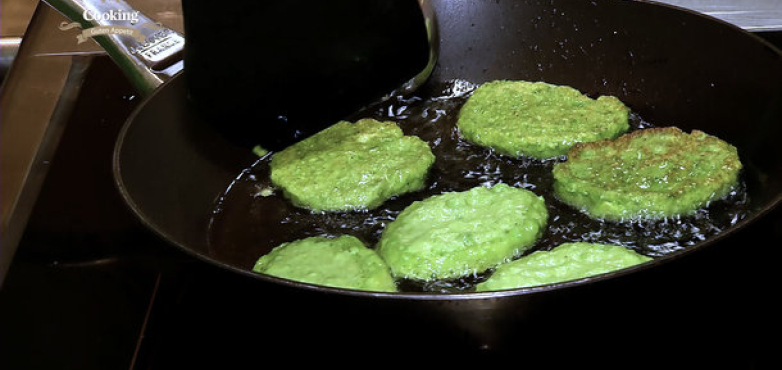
568	261
648	174
462	233
342	262
537	119
351	166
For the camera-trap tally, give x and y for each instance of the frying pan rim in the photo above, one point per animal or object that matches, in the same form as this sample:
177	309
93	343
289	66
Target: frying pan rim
739	226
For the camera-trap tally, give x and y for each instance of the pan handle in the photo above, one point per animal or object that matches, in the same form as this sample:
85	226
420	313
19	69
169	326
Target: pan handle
433	36
147	52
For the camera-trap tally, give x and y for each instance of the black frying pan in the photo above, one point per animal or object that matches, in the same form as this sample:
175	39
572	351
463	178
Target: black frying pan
671	66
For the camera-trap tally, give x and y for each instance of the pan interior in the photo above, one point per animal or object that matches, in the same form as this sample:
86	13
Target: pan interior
251	200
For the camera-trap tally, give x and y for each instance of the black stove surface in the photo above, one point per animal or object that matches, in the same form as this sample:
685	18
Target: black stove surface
91	288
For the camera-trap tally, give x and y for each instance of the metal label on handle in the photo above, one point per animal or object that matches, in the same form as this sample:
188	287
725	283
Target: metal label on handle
148	53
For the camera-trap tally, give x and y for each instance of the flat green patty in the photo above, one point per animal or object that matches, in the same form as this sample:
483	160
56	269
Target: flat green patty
461	233
568	261
351	166
536	119
342	262
652	173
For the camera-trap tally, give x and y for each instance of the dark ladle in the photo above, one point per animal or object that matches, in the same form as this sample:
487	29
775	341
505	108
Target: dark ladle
252	70
285	70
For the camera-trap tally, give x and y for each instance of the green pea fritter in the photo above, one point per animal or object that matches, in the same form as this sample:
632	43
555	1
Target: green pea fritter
652	173
351	166
461	233
568	261
537	119
342	262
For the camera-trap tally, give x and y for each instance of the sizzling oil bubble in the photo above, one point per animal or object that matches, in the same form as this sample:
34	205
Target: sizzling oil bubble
246	225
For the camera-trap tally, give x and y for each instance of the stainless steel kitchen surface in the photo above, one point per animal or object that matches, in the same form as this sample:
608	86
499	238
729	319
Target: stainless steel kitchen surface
752	15
81	290
14	18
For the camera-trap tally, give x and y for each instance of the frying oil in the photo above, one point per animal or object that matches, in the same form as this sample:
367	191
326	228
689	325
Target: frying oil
252	216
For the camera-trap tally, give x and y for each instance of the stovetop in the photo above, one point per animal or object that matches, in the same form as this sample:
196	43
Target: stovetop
91	288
